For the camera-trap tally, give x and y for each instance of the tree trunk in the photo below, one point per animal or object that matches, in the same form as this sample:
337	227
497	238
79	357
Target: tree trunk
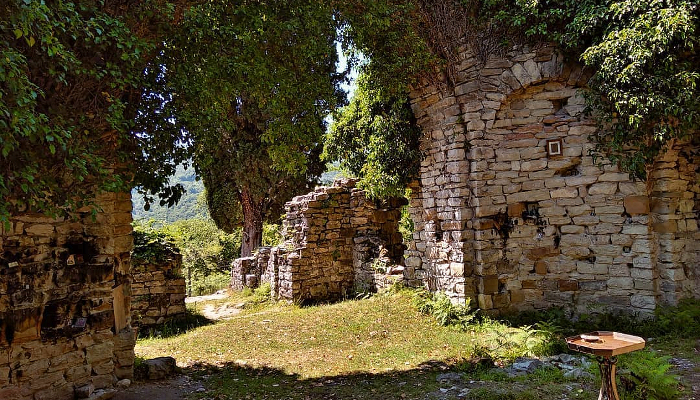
252	223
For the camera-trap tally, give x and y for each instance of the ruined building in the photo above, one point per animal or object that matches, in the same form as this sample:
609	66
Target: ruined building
337	242
511	210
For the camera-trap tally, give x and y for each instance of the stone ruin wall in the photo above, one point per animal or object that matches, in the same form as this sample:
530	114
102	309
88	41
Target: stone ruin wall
336	241
500	221
64	303
158	291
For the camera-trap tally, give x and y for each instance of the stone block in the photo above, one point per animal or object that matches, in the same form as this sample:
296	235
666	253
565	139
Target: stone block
614	301
594	286
636	205
485	301
568	285
529	196
571	229
99	352
535	165
538	253
646	302
559	298
566	192
621	283
602	188
666	227
488	284
40	230
541	268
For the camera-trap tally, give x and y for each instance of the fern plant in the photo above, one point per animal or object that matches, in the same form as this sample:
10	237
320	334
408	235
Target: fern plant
644	376
443	310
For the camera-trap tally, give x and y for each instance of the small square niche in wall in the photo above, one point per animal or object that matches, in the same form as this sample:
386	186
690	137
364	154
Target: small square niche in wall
554	147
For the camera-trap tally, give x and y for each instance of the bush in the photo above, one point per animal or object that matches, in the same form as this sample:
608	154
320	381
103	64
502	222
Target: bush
210	283
644	376
443	310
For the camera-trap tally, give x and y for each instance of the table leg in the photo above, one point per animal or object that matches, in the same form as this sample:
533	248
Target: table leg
608	388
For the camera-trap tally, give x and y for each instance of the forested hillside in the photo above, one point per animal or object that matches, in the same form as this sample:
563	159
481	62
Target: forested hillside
187	208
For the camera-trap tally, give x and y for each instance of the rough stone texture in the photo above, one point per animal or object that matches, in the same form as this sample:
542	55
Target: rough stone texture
53	273
499	220
160	368
158	290
335	241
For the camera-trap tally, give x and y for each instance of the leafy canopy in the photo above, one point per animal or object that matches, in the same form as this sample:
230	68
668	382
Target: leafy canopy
248	86
375	137
71	81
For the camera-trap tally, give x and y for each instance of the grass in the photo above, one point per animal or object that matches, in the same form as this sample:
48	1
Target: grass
379	347
379	334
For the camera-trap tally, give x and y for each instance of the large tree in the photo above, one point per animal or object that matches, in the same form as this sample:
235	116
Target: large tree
249	85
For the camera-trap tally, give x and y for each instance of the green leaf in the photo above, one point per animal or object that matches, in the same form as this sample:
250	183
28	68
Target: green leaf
18	33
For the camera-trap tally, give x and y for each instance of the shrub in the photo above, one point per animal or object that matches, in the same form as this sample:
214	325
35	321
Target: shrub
644	376
443	310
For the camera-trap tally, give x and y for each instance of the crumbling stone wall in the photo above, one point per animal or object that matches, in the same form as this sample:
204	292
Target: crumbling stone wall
64	303
335	241
501	219
158	290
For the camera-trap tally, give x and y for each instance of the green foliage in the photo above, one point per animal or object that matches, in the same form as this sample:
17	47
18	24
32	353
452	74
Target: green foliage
388	34
249	85
272	235
647	69
214	281
207	252
682	320
70	80
644	375
445	312
644	55
406	227
375	138
262	293
152	246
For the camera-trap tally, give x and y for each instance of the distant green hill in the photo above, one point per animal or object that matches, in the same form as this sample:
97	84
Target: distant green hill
186	208
189	207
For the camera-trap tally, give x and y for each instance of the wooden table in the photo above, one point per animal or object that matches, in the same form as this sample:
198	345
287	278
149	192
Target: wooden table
606	346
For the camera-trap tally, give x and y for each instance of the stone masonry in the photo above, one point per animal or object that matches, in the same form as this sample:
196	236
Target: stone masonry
512	210
336	241
158	290
64	303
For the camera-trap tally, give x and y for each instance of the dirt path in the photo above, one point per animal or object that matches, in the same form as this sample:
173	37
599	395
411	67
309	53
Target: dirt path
215	312
175	388
691	378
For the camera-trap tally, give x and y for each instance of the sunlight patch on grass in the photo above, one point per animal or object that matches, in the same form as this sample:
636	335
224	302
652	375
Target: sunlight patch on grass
375	335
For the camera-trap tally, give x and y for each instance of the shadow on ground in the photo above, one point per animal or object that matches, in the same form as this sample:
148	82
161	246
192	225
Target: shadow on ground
430	381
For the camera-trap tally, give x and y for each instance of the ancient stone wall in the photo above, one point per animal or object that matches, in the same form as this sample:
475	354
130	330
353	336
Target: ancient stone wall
511	209
336	241
64	303
158	290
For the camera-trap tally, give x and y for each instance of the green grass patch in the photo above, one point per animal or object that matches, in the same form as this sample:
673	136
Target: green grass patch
381	346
